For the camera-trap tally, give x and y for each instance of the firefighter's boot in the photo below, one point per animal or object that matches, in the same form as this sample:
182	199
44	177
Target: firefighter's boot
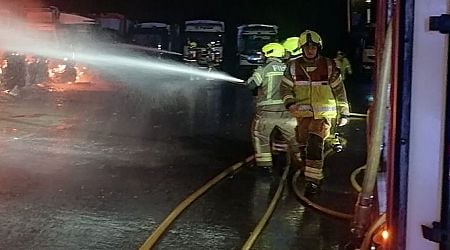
311	188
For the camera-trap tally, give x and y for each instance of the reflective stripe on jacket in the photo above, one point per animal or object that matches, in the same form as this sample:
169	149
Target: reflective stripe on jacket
267	79
316	87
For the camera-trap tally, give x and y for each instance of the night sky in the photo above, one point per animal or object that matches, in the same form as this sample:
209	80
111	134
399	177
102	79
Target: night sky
324	16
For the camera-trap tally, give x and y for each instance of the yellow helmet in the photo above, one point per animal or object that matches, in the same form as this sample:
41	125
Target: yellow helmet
309	36
273	50
192	44
291	46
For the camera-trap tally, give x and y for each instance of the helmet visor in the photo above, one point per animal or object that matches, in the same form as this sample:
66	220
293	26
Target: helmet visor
313	38
310	37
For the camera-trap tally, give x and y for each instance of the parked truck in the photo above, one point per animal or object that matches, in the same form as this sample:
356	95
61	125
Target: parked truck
250	39
115	26
204	42
152	34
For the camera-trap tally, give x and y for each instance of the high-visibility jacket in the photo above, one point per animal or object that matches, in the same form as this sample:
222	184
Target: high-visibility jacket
267	79
316	87
343	64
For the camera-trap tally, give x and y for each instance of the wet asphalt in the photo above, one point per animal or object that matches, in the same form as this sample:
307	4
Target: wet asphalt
100	165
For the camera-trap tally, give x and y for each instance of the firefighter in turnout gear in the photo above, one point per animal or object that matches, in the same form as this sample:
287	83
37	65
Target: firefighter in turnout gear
343	64
273	128
314	94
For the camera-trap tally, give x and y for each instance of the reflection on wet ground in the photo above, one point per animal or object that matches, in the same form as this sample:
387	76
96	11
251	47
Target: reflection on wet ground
99	169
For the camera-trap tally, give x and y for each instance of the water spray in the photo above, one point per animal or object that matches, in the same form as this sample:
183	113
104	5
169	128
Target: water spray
143	48
29	41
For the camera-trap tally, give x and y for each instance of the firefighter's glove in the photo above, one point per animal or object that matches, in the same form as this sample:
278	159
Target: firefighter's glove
294	110
342	121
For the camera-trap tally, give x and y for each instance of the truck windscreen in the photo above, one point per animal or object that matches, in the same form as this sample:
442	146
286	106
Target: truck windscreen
203	38
254	43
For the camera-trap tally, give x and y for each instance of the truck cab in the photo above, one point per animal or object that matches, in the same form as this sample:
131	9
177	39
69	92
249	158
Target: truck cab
152	34
250	39
204	42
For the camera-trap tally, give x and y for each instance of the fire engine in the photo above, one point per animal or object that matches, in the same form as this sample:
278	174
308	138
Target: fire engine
411	119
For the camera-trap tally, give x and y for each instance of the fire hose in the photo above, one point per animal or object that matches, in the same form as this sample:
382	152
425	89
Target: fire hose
353	181
156	235
312	204
262	223
367	239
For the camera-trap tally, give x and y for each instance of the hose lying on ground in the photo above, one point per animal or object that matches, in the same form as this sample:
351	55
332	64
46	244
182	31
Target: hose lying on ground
155	236
262	223
316	206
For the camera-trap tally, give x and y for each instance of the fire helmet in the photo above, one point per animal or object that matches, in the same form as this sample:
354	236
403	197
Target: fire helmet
309	36
273	50
291	46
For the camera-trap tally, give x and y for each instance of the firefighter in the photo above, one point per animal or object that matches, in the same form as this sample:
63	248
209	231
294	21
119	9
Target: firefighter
14	72
38	70
343	65
291	47
191	57
314	94
210	56
272	127
192	51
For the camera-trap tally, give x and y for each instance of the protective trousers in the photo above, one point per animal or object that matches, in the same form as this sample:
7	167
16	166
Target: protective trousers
265	125
311	135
